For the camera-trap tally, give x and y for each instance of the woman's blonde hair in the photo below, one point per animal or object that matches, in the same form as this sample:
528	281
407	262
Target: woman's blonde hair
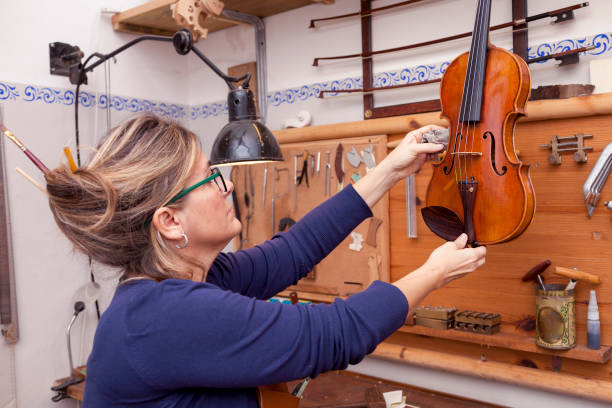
103	207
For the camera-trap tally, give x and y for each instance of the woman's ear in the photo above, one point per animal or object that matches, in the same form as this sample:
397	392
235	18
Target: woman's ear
166	221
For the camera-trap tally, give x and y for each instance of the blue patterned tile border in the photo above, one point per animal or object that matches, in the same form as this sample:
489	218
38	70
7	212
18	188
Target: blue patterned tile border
31	93
208	110
602	42
47	95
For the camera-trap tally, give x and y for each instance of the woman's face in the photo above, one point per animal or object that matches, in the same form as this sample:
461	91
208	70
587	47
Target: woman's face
207	217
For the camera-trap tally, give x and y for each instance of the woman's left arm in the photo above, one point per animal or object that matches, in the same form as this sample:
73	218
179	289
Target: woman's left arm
266	269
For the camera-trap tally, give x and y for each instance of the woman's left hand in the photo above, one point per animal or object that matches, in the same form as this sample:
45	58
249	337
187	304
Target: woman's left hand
410	155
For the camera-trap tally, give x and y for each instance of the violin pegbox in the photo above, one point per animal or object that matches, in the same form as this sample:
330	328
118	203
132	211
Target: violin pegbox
187	14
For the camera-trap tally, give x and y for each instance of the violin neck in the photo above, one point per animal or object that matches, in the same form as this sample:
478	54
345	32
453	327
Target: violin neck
471	103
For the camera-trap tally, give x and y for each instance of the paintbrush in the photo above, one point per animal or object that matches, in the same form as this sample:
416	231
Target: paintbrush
24	149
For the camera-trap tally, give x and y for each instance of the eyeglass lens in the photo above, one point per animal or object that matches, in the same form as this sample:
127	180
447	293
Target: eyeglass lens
222	186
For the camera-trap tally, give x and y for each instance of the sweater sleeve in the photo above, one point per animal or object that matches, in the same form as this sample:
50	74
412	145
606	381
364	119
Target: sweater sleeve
266	269
200	336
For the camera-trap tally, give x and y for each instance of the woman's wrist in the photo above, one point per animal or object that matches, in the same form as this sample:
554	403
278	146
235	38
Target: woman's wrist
377	182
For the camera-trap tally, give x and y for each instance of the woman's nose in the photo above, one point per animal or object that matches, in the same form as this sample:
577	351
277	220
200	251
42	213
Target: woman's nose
230	187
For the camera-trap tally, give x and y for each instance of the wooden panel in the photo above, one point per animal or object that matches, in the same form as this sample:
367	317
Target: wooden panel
239	70
328	282
560	232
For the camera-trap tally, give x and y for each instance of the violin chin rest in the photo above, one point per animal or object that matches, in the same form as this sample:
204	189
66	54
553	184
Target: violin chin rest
443	222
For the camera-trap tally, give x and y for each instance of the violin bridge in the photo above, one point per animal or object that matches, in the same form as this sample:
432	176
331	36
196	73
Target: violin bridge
468	153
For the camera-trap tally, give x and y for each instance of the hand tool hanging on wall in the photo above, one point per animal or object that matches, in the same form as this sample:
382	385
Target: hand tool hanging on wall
285	223
318	162
574	144
236	207
597	178
312	164
249	203
263	190
327	175
304	172
353	157
277	195
411	210
375	223
368	158
295	177
339	166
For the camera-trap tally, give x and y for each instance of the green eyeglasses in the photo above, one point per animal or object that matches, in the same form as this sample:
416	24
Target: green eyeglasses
216	176
215	173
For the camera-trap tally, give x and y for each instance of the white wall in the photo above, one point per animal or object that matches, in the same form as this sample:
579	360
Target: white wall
48	273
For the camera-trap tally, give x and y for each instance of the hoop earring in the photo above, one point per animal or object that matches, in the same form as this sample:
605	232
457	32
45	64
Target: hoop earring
186	242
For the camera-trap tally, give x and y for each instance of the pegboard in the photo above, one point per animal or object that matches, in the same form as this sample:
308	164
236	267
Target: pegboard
262	211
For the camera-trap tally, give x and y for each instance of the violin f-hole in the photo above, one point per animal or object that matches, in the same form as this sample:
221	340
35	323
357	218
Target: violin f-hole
446	169
504	169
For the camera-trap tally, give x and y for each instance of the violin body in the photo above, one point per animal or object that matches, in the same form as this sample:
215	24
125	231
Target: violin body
480	177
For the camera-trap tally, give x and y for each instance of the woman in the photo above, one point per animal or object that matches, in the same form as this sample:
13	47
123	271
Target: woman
185	327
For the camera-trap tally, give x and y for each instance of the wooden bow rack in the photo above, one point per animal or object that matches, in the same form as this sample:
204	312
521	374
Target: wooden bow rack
520	40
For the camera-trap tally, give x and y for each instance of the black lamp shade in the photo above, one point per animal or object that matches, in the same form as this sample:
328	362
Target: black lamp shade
244	139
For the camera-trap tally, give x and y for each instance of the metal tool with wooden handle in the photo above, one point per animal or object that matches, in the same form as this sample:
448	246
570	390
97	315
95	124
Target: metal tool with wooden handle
578	275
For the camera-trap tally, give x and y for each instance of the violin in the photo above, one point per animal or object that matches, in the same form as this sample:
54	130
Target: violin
479	186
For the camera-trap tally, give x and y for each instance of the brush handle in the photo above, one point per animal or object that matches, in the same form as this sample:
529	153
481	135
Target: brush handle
36	162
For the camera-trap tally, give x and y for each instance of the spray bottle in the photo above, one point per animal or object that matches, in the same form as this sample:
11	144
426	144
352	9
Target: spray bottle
593	335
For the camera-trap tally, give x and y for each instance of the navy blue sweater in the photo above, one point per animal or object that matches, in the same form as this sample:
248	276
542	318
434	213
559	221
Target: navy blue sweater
179	343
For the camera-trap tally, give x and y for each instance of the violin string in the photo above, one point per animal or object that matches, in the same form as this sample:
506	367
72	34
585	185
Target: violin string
460	123
481	61
469	83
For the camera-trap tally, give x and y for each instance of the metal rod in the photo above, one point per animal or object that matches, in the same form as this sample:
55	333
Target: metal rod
260	56
411	215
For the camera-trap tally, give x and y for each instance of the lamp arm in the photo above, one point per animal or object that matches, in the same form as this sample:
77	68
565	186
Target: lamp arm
228	79
105	57
183	43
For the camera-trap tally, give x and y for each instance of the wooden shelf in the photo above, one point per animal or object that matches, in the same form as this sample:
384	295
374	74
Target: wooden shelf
155	16
513	342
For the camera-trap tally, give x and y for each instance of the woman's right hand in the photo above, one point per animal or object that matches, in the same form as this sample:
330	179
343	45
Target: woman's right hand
453	260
